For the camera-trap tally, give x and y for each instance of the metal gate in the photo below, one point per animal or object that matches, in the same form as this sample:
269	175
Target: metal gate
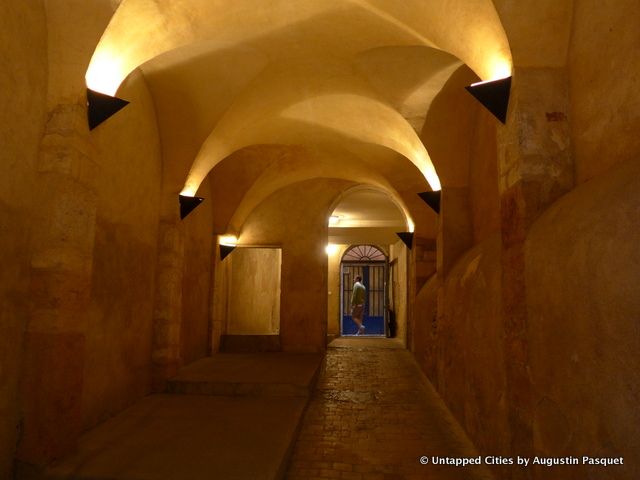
374	279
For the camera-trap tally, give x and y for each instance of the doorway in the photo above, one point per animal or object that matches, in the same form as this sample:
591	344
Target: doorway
370	263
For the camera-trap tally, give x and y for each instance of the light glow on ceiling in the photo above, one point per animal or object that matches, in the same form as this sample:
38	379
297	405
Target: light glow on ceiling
105	73
228	240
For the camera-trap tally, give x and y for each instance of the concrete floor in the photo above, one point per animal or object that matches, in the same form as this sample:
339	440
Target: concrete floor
243	427
370	416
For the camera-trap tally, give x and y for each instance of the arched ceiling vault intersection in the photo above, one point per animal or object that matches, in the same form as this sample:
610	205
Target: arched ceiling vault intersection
319	65
282	166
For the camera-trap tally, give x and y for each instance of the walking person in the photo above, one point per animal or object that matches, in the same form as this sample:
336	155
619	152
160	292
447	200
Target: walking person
357	304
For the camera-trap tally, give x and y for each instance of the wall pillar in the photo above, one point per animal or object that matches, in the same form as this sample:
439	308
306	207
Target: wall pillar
303	325
455	231
60	286
535	168
167	313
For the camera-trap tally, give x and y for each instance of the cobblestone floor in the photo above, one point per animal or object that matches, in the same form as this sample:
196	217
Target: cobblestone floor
372	416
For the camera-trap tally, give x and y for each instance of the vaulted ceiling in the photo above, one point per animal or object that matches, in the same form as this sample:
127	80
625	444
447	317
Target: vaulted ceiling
347	82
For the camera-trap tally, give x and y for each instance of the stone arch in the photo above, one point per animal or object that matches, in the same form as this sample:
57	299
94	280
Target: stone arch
392	195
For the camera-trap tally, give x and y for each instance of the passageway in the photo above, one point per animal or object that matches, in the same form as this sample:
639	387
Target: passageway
190	190
373	415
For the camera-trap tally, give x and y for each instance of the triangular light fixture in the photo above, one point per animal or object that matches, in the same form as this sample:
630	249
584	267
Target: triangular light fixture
188	204
494	95
225	250
407	238
432	199
100	107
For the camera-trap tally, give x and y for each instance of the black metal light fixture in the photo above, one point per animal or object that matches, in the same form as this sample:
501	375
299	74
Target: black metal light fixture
226	250
494	95
188	204
407	238
101	107
432	199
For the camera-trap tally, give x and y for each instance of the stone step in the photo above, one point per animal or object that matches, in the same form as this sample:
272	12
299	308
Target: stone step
178	437
255	374
242	428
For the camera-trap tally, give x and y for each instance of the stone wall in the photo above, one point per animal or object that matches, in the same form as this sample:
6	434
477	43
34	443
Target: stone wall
295	218
196	279
605	85
583	272
470	360
459	347
23	87
333	291
254	293
399	265
119	327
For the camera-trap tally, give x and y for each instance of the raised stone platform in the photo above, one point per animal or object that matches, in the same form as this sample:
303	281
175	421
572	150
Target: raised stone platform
243	428
256	374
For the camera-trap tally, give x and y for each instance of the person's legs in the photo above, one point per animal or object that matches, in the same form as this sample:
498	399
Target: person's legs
356	315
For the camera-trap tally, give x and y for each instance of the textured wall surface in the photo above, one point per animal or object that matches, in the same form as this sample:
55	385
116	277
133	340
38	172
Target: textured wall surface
23	77
333	291
425	318
470	362
583	272
295	217
119	330
399	266
605	85
484	198
254	293
196	279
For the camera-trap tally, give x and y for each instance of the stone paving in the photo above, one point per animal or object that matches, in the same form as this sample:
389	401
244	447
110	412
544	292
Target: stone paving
372	416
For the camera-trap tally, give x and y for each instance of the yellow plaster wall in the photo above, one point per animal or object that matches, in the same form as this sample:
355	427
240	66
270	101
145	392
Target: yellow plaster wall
605	86
582	274
23	86
484	197
295	218
333	290
470	362
196	278
119	328
398	256
254	292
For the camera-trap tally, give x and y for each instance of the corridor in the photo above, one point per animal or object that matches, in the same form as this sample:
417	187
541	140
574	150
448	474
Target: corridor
190	190
372	416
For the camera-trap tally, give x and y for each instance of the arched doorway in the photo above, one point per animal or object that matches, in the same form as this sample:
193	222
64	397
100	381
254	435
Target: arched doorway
370	263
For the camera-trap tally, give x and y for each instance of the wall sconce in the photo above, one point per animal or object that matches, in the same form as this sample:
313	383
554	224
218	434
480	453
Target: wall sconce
100	107
227	245
188	204
494	95
432	199
407	238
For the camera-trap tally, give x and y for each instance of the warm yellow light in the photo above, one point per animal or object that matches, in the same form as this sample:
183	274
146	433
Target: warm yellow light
500	68
432	179
410	225
228	240
334	220
188	191
105	73
331	249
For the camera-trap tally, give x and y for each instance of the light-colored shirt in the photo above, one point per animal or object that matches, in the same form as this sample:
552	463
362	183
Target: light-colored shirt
358	295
